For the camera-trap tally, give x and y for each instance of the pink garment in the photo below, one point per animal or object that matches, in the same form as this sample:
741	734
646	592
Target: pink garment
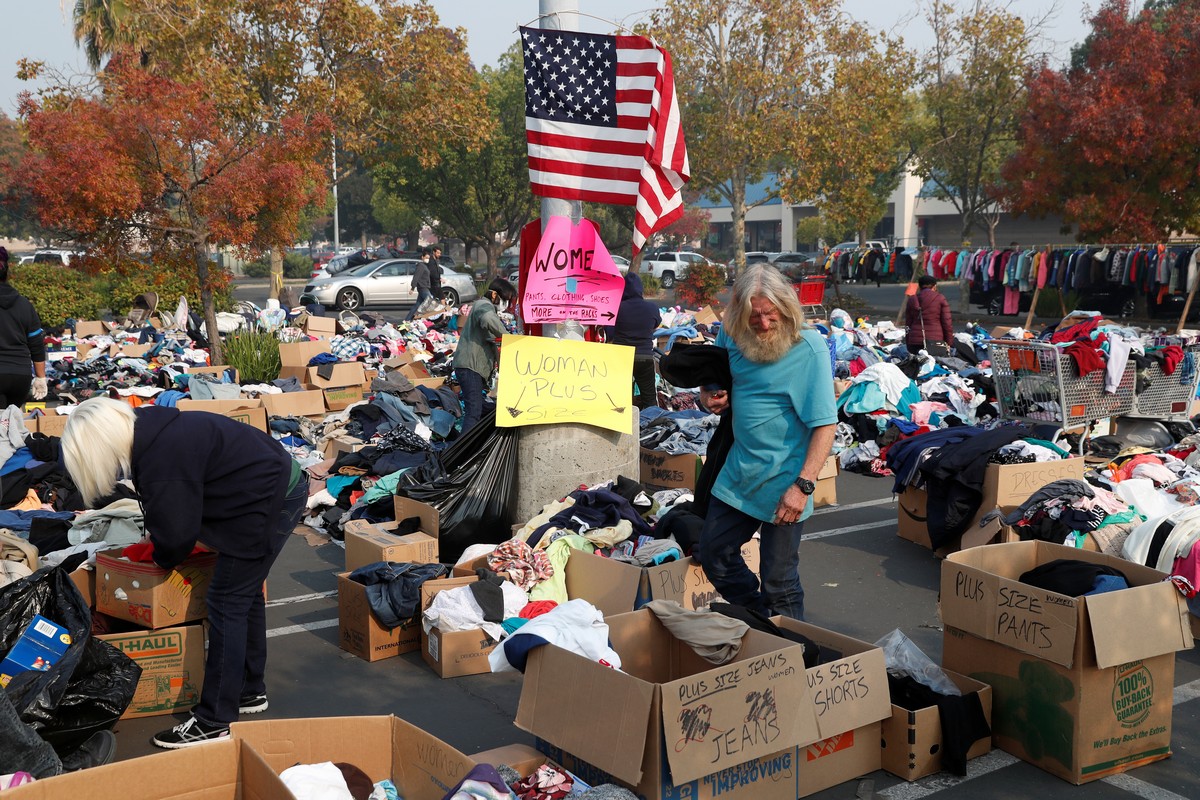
1043	269
1012	300
1103	499
1126	470
1188	566
922	410
1155	472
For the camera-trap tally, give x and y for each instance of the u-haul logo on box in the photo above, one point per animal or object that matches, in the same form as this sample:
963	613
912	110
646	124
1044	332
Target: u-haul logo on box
827	747
152	646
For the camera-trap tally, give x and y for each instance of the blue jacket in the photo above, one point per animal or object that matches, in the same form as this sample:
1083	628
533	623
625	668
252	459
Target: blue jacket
205	477
637	319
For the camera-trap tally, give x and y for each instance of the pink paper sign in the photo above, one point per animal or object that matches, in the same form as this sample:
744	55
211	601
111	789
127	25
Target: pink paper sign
572	277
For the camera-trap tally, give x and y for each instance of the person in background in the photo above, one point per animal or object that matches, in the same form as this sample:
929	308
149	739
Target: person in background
22	345
784	416
927	315
637	319
435	271
476	354
420	282
201	478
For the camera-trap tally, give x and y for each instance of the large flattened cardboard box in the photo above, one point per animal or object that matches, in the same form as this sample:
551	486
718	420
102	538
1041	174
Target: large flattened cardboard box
221	770
421	766
851	698
616	587
1081	686
675	725
172	662
1005	486
912	740
150	596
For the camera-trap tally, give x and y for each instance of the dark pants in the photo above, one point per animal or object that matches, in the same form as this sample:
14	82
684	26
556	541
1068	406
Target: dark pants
472	385
643	378
725	531
237	638
422	296
14	389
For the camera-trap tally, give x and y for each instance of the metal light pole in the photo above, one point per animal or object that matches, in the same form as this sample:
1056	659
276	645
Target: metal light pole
558	15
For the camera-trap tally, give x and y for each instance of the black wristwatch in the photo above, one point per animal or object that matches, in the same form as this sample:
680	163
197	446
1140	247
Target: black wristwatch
806	486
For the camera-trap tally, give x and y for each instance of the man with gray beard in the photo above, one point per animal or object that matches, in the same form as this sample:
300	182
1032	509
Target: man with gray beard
782	433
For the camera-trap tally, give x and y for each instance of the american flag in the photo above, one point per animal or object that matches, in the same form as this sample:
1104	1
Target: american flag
602	124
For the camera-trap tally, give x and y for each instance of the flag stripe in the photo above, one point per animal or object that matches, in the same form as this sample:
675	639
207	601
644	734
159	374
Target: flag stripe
602	124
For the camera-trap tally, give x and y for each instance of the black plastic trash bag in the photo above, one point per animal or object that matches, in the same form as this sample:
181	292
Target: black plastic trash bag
473	485
87	689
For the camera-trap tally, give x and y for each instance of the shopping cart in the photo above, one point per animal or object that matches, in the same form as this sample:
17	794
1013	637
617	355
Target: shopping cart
811	291
1168	397
1038	383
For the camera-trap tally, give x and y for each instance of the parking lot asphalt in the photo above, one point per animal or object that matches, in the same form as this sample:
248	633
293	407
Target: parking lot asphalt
860	578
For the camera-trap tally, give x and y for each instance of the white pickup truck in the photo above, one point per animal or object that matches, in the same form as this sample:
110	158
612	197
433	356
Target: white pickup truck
671	267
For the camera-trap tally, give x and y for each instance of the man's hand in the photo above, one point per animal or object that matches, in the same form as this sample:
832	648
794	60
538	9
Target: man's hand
791	506
39	389
715	401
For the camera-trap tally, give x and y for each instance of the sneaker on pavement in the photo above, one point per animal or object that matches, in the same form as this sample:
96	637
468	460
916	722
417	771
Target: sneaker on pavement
98	750
190	733
253	705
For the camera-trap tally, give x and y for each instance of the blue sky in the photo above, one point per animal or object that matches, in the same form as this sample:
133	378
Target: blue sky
41	29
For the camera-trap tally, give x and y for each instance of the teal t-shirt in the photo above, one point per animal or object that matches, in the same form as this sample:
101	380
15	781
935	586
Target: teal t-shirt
775	408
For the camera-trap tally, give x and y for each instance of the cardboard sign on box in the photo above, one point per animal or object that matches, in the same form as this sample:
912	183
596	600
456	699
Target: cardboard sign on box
367	543
421	766
221	770
667	716
172	662
666	471
1082	686
153	597
50	423
912	740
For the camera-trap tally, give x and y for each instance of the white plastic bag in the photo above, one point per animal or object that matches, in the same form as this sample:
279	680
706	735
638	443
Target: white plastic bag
905	658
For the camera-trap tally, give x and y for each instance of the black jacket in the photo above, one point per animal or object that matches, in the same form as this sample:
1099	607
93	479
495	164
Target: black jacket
22	340
637	319
205	477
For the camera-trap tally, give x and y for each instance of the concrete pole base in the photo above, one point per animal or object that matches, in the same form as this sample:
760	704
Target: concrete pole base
554	460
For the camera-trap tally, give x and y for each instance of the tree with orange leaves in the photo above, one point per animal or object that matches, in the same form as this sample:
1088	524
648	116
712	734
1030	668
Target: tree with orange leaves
151	161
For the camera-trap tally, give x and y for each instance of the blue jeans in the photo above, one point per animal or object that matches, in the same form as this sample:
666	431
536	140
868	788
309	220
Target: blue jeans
422	296
472	385
237	639
725	531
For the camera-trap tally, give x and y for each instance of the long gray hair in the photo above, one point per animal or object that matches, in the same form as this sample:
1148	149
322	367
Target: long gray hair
763	280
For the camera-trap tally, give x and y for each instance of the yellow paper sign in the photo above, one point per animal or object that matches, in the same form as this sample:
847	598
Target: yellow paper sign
547	381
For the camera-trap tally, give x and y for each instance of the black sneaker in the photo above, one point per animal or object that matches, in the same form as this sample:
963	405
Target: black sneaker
97	751
255	704
190	733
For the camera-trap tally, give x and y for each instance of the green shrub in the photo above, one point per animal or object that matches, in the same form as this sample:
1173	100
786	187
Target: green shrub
257	269
294	266
59	293
701	285
650	284
169	284
255	355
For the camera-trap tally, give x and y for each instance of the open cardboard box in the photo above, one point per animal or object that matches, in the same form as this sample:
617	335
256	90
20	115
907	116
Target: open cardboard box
671	719
221	770
151	596
421	766
453	654
912	740
1082	686
249	412
309	403
294	357
367	543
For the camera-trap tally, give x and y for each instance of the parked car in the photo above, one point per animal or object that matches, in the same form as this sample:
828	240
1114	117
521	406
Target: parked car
800	265
1112	300
854	245
331	267
60	258
384	282
670	267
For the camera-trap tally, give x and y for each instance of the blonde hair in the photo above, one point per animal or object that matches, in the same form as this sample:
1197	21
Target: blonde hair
763	280
97	446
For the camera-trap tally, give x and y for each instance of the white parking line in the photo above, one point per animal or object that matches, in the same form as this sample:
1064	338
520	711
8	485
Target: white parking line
300	598
866	526
1139	787
306	626
865	504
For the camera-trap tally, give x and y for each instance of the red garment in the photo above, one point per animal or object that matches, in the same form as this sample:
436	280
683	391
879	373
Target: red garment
143	552
1087	358
1073	333
535	608
1172	354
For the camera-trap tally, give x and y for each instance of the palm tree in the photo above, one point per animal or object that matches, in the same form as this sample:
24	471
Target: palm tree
102	26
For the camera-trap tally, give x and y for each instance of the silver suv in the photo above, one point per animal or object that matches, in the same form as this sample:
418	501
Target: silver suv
670	267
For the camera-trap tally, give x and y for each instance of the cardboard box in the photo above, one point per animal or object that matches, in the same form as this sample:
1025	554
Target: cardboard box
826	491
706	316
322	327
136	350
666	471
422	766
90	327
367	543
1005	486
85	581
406	508
217	372
343	397
912	740
294	357
153	597
667	718
221	770
361	634
51	424
341	444
454	654
250	412
347	373
39	647
1082	686
172	662
309	403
